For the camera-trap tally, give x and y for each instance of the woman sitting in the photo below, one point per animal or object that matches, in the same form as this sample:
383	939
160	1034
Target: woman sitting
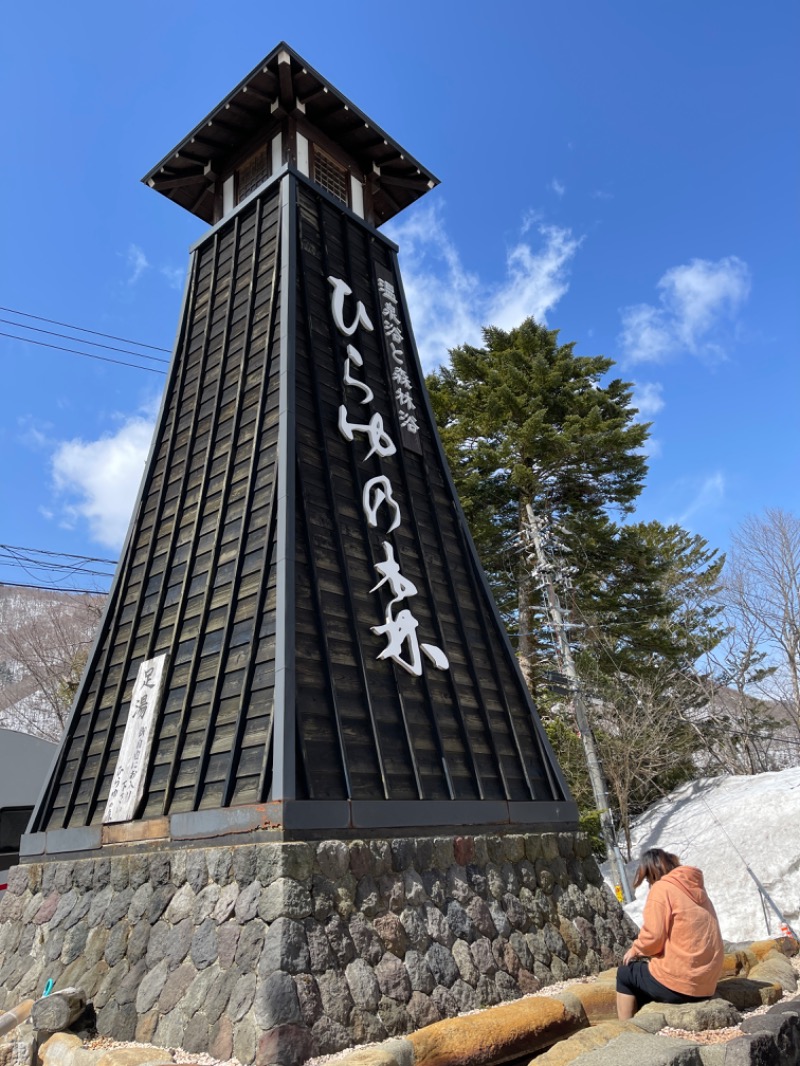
677	956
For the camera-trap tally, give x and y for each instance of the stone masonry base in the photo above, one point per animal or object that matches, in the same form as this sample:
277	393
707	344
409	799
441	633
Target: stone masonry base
274	952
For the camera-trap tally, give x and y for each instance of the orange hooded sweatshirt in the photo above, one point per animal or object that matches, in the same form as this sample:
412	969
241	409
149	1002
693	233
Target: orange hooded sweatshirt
680	934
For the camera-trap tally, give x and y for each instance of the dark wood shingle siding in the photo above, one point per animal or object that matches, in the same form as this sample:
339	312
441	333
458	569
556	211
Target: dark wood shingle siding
198	573
467	732
200	578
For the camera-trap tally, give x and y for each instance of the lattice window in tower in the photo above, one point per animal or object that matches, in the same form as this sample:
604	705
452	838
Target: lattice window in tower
330	175
253	172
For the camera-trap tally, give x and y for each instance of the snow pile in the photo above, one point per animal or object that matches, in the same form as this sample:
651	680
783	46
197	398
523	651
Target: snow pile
725	825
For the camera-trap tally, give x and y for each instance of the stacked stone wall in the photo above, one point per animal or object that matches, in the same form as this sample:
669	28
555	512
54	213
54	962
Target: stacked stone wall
274	952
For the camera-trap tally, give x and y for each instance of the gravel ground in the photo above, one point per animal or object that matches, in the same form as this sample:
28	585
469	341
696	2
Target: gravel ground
709	1036
722	1036
104	1043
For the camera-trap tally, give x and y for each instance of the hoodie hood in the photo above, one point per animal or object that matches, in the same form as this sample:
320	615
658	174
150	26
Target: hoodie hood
689	880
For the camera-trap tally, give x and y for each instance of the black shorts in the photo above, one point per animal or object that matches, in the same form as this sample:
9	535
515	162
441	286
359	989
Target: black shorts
636	980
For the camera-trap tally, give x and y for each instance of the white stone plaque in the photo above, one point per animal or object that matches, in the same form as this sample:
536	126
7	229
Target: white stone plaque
127	784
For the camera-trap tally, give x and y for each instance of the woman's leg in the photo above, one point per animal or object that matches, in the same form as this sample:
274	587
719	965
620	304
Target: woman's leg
630	993
626	1006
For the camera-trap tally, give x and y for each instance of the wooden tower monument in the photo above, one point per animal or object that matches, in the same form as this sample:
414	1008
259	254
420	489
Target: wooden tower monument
299	636
303	799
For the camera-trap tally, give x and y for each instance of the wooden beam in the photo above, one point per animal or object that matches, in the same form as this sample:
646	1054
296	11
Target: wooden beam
285	83
223	134
192	158
239	106
257	93
271	80
403	183
384	193
319	90
203	193
220	123
176	183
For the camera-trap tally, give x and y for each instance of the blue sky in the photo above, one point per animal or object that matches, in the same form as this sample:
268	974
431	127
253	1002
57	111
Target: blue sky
626	171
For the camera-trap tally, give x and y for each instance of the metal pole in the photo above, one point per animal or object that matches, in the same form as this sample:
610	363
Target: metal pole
596	777
627	891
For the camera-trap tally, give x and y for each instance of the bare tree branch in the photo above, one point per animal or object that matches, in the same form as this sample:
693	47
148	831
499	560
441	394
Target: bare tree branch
44	642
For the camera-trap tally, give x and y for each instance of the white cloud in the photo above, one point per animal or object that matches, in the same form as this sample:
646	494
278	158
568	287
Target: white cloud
536	279
529	220
99	479
697	303
648	398
174	275
653	448
558	187
708	495
449	304
137	263
34	433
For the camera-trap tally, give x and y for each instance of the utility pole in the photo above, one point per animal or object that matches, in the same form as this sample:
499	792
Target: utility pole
544	568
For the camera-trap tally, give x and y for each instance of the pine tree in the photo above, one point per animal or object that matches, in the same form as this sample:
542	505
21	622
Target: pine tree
524	420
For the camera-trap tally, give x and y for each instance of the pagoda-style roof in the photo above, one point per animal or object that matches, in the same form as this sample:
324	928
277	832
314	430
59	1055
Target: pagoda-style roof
282	84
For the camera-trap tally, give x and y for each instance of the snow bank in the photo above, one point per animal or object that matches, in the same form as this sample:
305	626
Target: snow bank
723	825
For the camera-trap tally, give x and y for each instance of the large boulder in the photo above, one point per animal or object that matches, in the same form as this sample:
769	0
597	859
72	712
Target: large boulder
775	967
637	1048
695	1017
496	1035
745	994
581	1043
597	998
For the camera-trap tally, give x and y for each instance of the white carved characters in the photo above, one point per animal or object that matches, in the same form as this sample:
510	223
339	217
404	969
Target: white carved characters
400	630
393	332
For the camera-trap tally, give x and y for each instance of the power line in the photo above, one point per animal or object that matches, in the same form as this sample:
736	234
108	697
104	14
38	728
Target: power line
60	555
94	344
60	567
83	329
86	355
50	588
762	736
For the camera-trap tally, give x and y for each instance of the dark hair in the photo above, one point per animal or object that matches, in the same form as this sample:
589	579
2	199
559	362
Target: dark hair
653	865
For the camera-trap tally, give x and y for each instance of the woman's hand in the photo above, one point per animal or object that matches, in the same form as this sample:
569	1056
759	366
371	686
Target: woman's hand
629	956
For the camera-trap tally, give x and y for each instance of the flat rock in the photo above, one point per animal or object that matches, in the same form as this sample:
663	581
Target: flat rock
746	994
635	1049
696	1017
567	1051
775	967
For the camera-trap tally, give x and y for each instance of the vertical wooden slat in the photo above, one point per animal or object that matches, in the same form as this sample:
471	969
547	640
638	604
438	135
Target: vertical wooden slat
433	720
208	590
269	537
284	733
214	699
341	557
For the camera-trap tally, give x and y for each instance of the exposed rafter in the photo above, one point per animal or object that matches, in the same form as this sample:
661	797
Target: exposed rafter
282	85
